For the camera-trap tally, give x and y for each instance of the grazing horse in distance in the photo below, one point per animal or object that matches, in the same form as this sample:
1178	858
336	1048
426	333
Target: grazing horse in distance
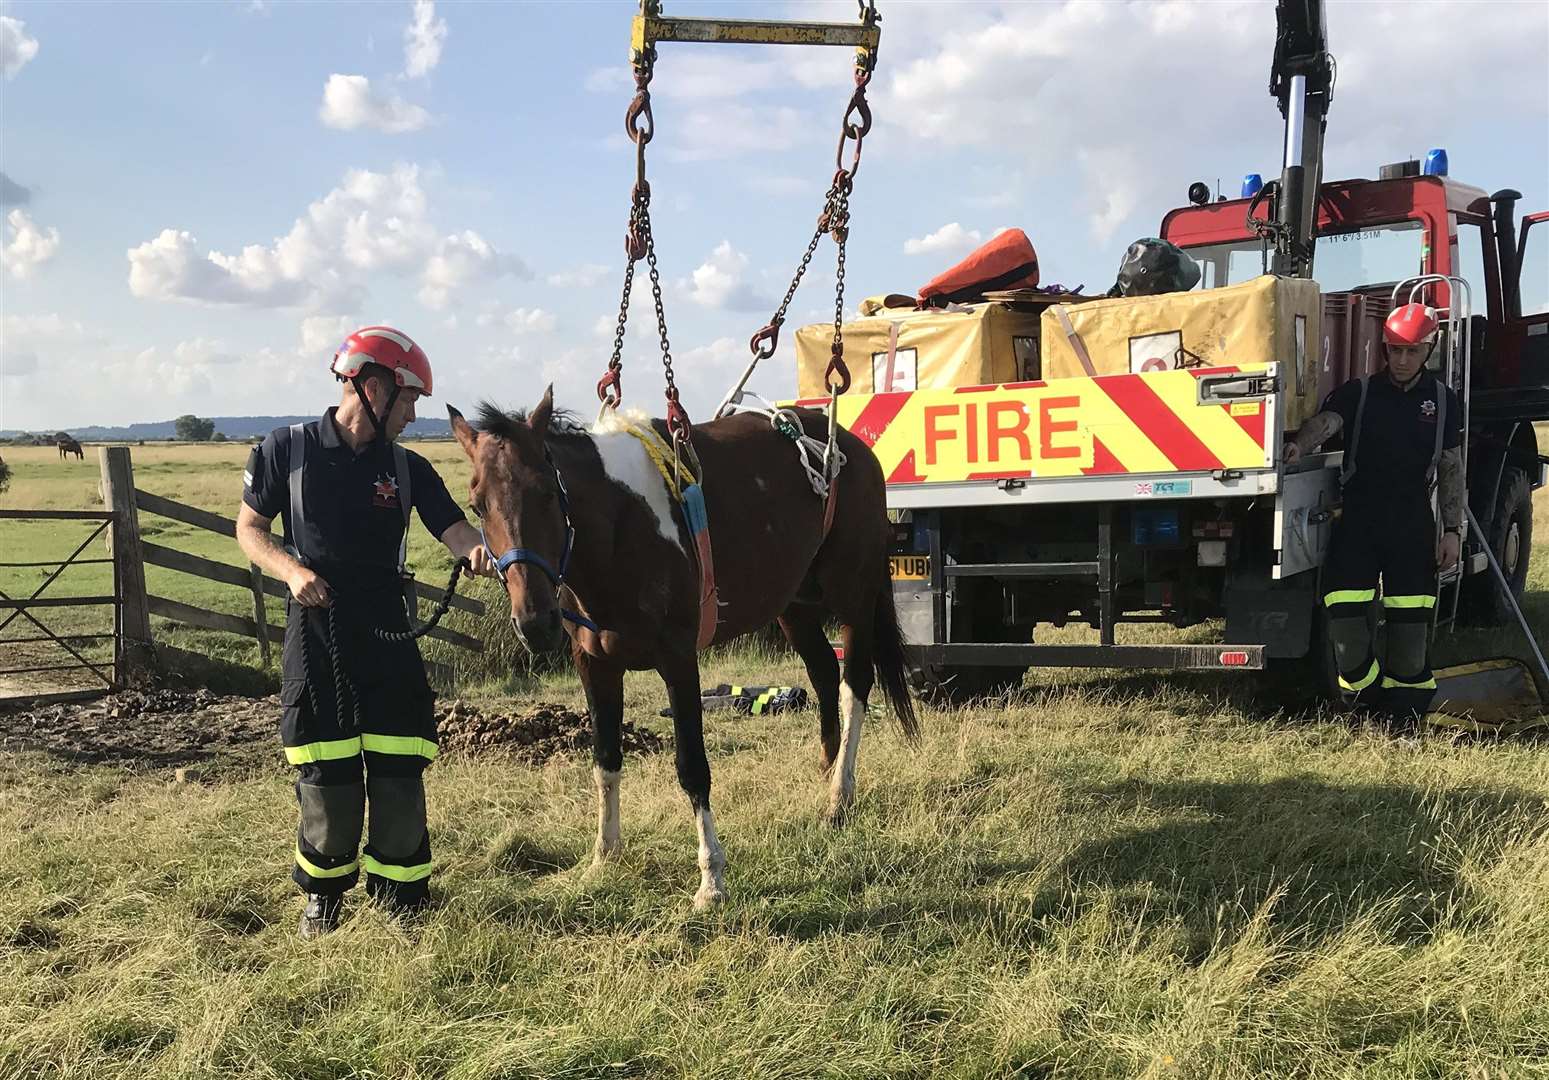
590	541
68	445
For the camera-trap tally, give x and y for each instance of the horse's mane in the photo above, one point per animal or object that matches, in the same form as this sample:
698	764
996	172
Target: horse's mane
494	420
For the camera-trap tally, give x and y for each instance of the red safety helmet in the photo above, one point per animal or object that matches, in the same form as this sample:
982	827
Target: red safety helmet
389	348
1411	324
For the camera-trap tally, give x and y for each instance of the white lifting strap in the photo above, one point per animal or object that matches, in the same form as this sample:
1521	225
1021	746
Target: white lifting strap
405	500
298	458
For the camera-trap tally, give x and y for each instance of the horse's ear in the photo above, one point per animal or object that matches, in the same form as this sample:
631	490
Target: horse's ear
462	430
539	418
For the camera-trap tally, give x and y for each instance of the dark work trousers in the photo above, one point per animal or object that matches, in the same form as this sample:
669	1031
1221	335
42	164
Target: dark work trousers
1392	541
369	751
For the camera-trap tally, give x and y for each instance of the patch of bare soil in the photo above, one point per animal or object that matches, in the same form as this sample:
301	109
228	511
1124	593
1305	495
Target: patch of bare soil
168	728
148	728
533	735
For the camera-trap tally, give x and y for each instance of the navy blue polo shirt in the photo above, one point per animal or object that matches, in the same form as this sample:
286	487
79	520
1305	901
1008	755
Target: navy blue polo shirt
1398	434
354	519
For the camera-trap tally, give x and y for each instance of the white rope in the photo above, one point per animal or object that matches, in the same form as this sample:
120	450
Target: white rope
830	459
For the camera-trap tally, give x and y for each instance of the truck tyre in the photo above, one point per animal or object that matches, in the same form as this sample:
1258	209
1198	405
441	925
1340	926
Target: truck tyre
1509	532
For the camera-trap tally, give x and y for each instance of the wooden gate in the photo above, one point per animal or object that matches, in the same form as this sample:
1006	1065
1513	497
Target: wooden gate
44	653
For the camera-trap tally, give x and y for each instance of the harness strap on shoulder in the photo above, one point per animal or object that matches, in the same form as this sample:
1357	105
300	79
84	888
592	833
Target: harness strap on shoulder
405	499
1441	433
298	460
1347	467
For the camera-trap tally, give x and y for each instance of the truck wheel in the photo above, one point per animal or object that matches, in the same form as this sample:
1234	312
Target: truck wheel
1509	532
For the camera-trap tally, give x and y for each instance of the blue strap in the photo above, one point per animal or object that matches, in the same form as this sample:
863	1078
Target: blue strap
526	555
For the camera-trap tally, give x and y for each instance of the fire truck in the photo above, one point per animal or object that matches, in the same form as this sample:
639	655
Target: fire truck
1055	460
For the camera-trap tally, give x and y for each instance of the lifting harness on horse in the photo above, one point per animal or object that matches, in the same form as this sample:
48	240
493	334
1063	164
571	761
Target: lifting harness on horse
677	462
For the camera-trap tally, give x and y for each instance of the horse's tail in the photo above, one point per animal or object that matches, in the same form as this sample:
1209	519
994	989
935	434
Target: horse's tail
889	662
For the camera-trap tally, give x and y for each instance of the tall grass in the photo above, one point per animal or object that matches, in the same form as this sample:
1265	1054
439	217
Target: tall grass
1070	884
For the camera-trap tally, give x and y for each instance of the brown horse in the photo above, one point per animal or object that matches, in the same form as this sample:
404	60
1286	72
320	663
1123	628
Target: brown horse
595	546
68	445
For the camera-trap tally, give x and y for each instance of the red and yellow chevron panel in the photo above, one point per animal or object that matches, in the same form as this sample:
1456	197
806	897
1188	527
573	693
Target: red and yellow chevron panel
1145	423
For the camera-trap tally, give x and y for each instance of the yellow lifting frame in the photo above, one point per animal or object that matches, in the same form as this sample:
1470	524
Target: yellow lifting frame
651	26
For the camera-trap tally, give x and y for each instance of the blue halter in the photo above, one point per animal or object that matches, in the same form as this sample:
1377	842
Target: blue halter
515	555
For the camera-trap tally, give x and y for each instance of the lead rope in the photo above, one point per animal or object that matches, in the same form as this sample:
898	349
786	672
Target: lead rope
343	685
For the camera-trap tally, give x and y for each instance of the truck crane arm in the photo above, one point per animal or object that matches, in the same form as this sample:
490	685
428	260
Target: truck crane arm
1301	79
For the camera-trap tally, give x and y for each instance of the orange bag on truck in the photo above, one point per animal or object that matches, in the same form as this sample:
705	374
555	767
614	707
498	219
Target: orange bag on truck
1008	261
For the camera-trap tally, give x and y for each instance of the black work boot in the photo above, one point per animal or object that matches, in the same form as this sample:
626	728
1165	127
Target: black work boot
321	915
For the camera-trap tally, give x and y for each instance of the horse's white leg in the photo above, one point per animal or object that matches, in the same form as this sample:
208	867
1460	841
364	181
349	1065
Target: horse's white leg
681	674
841	784
607	844
712	861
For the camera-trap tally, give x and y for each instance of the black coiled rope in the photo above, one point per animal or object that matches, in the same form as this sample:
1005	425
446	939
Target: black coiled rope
343	686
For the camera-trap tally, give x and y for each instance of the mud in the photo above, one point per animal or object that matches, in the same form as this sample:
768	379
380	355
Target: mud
172	728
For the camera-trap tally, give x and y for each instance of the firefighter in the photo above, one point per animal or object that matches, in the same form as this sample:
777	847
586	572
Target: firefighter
1403	436
357	720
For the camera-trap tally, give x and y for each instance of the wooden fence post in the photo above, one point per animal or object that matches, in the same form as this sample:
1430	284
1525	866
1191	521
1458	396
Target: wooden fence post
260	616
135	652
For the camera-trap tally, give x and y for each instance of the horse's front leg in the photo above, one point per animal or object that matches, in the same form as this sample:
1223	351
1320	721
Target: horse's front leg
681	674
604	686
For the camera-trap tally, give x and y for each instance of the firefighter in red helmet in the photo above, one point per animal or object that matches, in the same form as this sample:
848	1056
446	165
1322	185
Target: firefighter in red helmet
1403	437
357	720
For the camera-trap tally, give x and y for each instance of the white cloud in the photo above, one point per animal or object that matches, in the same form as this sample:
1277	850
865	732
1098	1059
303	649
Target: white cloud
423	40
27	247
460	259
950	91
580	277
14	363
718	282
350	103
951	238
607	80
530	321
322	334
203	351
372	223
16	48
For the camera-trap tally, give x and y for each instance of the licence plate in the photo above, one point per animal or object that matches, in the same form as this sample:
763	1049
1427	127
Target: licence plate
909	567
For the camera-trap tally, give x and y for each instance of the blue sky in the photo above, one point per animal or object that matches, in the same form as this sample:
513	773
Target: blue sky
202	198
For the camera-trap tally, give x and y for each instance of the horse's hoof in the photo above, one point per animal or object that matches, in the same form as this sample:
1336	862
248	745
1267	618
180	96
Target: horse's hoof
709	896
838	813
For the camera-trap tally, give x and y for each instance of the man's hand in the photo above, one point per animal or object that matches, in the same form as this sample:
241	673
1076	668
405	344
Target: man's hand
480	562
464	541
309	589
1293	453
1447	556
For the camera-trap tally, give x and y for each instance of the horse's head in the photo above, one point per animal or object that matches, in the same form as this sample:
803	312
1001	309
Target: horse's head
515	491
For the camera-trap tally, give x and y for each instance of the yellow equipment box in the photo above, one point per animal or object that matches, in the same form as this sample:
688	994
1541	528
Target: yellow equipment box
1245	326
900	349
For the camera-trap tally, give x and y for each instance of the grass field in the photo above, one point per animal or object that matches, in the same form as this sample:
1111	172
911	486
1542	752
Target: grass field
1157	876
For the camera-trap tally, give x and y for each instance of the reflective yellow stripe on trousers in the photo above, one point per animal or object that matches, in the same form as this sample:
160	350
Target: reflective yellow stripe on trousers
1349	596
397	873
1409	601
313	870
1363	682
331	750
403	745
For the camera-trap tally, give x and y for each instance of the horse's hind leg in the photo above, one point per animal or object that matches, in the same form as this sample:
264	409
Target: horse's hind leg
803	627
854	689
681	674
604	686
